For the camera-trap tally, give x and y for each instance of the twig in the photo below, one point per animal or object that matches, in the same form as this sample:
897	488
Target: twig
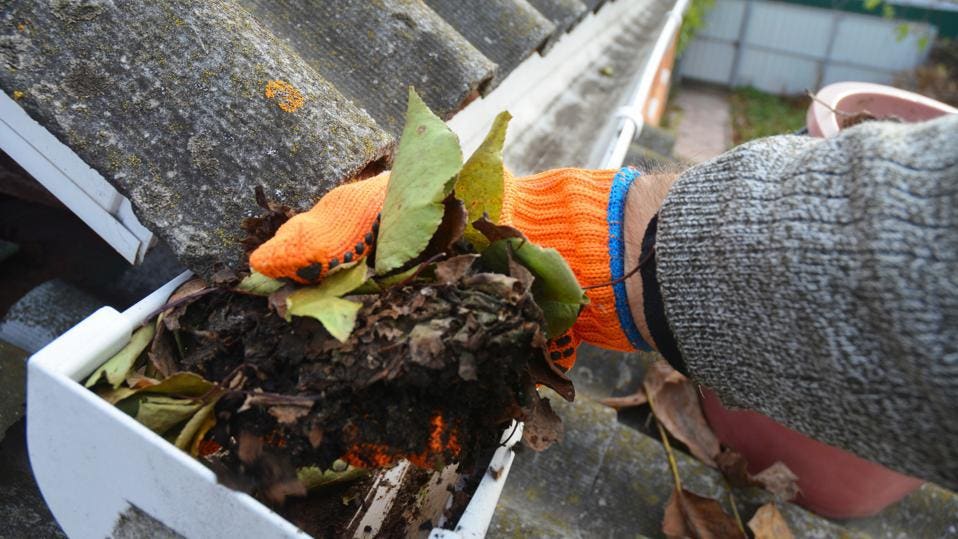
645	259
421	267
179	301
668	447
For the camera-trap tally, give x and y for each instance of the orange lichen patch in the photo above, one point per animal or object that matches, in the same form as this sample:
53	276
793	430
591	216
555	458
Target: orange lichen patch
287	97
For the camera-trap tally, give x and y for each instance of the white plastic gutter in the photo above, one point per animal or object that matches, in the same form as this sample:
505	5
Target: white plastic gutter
630	117
64	173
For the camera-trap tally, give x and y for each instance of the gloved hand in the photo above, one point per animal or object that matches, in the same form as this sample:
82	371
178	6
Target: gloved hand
575	211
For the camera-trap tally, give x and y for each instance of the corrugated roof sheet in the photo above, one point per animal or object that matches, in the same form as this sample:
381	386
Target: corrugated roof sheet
186	106
564	14
506	31
373	51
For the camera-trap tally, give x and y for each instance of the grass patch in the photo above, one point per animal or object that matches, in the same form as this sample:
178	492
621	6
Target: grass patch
756	114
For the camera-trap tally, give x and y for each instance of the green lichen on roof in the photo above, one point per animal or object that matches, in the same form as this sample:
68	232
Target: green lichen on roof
166	100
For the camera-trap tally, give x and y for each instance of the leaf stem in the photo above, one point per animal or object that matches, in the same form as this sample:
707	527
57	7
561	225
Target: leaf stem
731	499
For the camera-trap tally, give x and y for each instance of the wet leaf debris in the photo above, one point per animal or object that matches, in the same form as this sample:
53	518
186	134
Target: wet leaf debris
423	347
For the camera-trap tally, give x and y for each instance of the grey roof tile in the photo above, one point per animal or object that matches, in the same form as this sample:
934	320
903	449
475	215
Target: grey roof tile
373	51
506	31
564	14
168	101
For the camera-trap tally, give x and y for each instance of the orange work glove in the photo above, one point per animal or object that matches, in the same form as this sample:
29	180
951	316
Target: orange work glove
575	211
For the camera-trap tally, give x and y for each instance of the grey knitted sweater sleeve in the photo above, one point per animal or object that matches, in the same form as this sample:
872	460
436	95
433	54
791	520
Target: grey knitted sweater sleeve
816	281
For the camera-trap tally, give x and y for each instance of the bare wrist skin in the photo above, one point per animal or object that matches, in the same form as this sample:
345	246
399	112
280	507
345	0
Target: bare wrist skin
642	203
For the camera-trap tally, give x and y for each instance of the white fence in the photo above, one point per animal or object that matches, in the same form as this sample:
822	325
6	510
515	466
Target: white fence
787	49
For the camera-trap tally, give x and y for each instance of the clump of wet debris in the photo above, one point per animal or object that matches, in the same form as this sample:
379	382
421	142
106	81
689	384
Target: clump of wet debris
286	389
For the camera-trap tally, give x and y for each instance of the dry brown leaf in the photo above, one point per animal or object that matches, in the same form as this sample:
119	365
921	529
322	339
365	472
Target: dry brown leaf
779	480
689	515
768	523
288	415
735	468
542	426
628	401
452	270
162	352
494	232
543	371
676	405
171	317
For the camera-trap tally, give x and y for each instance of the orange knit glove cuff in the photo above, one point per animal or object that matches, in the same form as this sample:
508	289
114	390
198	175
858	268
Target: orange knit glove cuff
579	213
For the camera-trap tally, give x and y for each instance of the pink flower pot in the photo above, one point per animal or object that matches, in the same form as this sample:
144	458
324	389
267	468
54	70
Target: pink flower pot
880	101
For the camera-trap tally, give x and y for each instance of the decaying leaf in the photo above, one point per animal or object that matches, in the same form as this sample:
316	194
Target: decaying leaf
689	515
481	182
190	289
628	401
542	426
181	384
556	290
323	302
262	228
162	352
258	284
544	371
735	469
427	161
453	269
287	414
187	438
779	480
493	232
450	230
768	523
314	478
676	405
117	367
160	413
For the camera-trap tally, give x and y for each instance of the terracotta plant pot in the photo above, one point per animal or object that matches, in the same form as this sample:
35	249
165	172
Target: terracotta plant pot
843	100
834	482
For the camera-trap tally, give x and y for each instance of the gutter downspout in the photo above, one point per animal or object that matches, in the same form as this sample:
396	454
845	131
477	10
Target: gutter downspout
630	116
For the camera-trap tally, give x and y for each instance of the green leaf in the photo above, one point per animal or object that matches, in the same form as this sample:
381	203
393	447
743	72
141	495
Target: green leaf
184	384
555	289
323	302
259	284
870	5
184	440
901	31
117	367
160	413
313	477
481	182
425	167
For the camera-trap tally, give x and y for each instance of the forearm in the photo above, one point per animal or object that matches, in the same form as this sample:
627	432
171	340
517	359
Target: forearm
815	281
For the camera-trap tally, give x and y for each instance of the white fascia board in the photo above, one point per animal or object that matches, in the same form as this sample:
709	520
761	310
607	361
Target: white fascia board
79	187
